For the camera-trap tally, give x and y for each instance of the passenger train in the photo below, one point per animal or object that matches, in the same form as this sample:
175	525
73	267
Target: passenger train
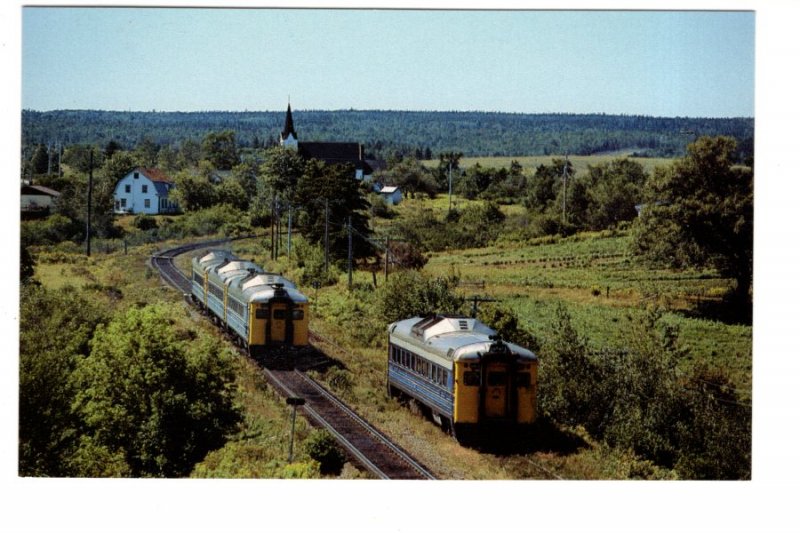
463	373
262	310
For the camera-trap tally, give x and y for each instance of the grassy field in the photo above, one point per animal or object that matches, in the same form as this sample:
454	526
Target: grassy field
579	162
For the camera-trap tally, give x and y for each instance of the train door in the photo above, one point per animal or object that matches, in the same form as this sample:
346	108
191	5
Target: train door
498	398
277	322
497	388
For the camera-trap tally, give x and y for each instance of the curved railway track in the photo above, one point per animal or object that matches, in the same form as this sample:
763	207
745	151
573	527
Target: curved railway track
362	442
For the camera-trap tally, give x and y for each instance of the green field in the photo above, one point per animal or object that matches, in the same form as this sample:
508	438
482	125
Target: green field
579	162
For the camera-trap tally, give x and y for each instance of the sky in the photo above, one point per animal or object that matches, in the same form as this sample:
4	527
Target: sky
699	64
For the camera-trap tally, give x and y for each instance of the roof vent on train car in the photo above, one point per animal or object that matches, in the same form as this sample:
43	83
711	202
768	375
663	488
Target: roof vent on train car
224	262
463	325
418	329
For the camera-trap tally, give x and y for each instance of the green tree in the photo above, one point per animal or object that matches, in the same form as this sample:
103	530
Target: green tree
700	212
345	199
411	176
155	393
189	154
117	165
55	330
39	159
220	148
324	449
146	153
448	165
546	184
72	204
410	293
193	192
614	189
246	173
230	192
281	172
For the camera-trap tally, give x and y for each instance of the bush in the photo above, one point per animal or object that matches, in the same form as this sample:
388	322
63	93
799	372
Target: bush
410	293
145	222
635	399
323	448
160	395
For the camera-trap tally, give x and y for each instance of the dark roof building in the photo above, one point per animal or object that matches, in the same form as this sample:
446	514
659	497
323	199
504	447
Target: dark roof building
331	153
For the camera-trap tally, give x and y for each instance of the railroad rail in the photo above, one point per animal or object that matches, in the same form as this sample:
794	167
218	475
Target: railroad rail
373	450
363	442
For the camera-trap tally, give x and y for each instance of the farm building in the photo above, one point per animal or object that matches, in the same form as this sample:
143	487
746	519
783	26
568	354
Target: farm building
391	195
331	153
144	191
37	199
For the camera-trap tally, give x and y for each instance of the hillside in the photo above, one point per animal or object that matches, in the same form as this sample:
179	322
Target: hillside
424	134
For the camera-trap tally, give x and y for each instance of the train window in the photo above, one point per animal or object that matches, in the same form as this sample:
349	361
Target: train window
297	314
523	380
279	314
472	379
262	313
497	379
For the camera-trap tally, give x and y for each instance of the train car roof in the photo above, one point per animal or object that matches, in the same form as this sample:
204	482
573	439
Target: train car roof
453	337
266	293
215	256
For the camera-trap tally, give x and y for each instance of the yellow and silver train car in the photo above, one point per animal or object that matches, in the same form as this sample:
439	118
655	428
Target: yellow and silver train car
459	369
262	309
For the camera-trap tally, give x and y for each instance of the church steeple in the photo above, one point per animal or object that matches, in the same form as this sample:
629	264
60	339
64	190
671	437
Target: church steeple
288	126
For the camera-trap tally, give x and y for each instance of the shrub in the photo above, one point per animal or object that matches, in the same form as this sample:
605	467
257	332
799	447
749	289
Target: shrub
323	448
145	222
410	293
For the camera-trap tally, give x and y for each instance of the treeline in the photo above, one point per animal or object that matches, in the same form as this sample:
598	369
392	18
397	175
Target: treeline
387	134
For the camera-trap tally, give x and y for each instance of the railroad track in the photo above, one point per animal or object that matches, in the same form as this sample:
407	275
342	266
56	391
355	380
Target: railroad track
363	442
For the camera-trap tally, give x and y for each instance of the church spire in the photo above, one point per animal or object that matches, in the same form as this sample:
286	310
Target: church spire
288	125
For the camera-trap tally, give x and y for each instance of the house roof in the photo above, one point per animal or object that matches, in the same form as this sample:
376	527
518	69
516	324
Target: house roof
155	174
335	152
39	190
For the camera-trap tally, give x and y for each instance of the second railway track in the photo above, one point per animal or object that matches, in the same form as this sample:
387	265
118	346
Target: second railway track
364	443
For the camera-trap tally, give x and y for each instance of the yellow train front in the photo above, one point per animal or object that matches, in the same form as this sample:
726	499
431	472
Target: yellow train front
470	381
262	310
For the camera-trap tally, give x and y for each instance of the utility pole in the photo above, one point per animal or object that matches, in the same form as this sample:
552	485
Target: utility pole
564	195
289	238
295	402
272	229
89	206
386	262
326	235
449	187
349	252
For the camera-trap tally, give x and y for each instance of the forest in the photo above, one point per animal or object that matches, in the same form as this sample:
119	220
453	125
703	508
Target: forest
387	134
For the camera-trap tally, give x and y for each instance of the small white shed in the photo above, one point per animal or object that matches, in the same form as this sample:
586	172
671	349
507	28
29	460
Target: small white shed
391	195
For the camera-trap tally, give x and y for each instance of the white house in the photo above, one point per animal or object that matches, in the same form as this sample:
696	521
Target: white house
144	190
391	195
38	199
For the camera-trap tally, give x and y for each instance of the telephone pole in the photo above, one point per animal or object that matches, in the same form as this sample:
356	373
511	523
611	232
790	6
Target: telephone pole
449	187
289	237
89	206
349	252
326	235
386	262
564	195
